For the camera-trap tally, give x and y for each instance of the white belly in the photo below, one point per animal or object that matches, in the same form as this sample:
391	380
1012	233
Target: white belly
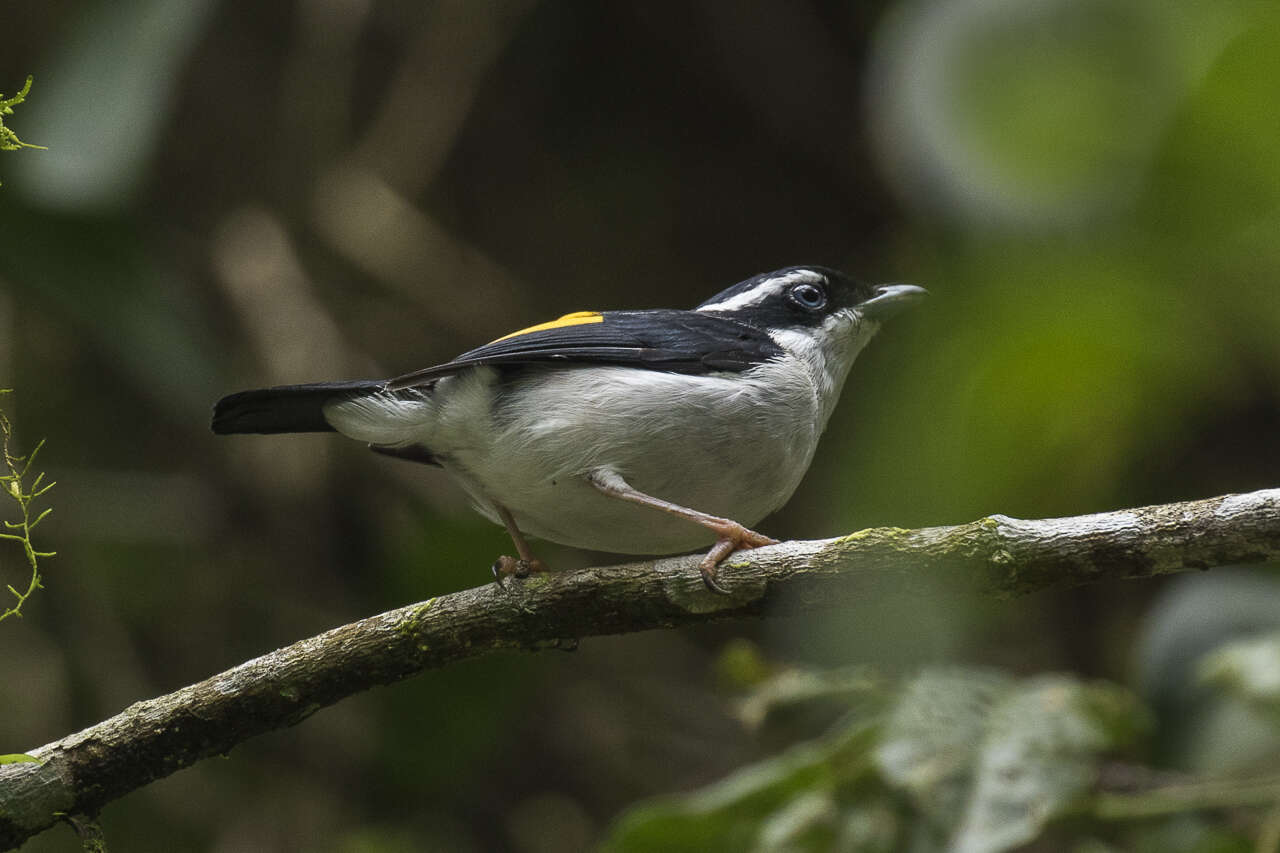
716	444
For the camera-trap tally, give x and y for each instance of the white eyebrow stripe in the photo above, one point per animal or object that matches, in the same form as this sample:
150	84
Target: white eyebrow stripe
747	298
761	291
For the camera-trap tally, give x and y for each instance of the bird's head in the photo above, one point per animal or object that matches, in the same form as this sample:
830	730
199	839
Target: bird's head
813	311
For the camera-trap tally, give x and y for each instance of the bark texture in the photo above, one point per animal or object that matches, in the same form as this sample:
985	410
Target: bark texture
82	772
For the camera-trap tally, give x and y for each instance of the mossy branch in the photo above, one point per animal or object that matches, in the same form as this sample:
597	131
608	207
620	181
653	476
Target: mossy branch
14	483
149	740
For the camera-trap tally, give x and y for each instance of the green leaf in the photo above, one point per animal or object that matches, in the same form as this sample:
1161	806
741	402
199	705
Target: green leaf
931	740
990	761
987	762
9	140
1039	758
795	686
18	758
788	802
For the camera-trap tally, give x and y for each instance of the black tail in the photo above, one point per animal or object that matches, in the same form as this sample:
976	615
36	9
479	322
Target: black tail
288	408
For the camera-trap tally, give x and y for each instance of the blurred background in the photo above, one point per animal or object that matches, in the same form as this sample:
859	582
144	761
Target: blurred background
238	194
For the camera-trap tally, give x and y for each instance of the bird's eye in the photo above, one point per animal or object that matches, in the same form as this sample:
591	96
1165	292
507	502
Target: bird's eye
809	296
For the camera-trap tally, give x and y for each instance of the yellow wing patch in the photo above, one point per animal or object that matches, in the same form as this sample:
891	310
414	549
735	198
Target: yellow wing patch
577	318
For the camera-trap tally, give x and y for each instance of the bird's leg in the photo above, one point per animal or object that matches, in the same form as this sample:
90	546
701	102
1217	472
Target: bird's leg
521	567
730	535
504	565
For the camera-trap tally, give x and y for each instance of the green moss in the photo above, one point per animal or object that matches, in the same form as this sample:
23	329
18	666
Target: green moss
884	534
411	625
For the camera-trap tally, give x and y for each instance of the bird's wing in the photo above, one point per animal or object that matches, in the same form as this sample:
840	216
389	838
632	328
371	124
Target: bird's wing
672	341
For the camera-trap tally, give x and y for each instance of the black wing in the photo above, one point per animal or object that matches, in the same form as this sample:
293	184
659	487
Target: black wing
673	341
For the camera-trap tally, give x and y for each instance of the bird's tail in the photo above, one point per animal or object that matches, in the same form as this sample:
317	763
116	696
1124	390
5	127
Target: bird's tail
287	408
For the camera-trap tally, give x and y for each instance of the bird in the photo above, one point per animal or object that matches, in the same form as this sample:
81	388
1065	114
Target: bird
655	431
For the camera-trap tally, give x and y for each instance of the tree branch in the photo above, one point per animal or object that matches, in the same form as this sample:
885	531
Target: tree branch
149	740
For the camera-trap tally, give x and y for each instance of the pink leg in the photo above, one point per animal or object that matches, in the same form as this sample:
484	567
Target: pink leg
730	535
504	565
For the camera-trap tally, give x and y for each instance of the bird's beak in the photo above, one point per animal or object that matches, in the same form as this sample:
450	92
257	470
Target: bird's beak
889	299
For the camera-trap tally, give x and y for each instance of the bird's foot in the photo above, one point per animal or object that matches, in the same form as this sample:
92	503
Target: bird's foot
505	567
732	537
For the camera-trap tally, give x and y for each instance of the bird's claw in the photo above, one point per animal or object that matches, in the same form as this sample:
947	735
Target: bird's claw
505	567
500	570
733	537
709	579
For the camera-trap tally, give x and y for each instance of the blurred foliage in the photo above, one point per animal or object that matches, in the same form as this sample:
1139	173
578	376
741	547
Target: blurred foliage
965	760
1249	669
240	194
104	99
